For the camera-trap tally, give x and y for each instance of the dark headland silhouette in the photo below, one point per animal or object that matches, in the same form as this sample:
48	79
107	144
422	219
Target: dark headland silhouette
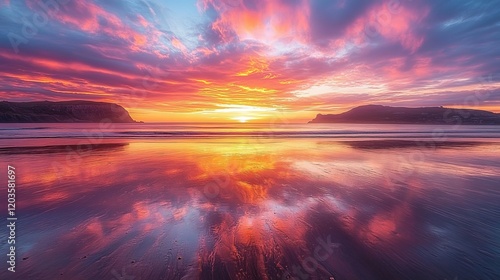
76	111
378	114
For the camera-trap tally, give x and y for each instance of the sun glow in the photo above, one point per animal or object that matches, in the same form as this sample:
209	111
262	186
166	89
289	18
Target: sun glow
243	119
240	113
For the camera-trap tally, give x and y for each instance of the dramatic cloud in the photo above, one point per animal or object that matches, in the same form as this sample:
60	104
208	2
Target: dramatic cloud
251	59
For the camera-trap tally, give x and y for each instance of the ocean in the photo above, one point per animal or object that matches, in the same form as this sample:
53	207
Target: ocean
247	130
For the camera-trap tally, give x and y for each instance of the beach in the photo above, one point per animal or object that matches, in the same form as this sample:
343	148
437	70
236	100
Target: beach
254	203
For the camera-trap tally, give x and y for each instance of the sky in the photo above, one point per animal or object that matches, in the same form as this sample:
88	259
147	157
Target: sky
251	60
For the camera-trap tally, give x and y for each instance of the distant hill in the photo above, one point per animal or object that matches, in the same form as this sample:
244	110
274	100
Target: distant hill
401	115
76	111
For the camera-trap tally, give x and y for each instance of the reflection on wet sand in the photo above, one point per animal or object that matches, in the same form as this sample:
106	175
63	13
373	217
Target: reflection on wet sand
53	149
236	209
421	144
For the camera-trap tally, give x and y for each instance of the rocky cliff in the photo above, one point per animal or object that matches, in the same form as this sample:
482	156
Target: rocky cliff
62	112
423	115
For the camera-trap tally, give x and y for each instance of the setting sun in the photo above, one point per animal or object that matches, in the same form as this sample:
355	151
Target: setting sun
243	119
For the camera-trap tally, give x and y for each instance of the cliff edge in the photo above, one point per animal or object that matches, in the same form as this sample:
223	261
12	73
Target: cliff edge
377	114
76	111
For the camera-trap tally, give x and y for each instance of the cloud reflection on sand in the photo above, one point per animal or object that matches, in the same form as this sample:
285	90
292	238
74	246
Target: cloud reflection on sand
145	206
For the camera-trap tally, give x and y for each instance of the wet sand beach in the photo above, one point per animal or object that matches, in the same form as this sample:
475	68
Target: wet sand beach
237	208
